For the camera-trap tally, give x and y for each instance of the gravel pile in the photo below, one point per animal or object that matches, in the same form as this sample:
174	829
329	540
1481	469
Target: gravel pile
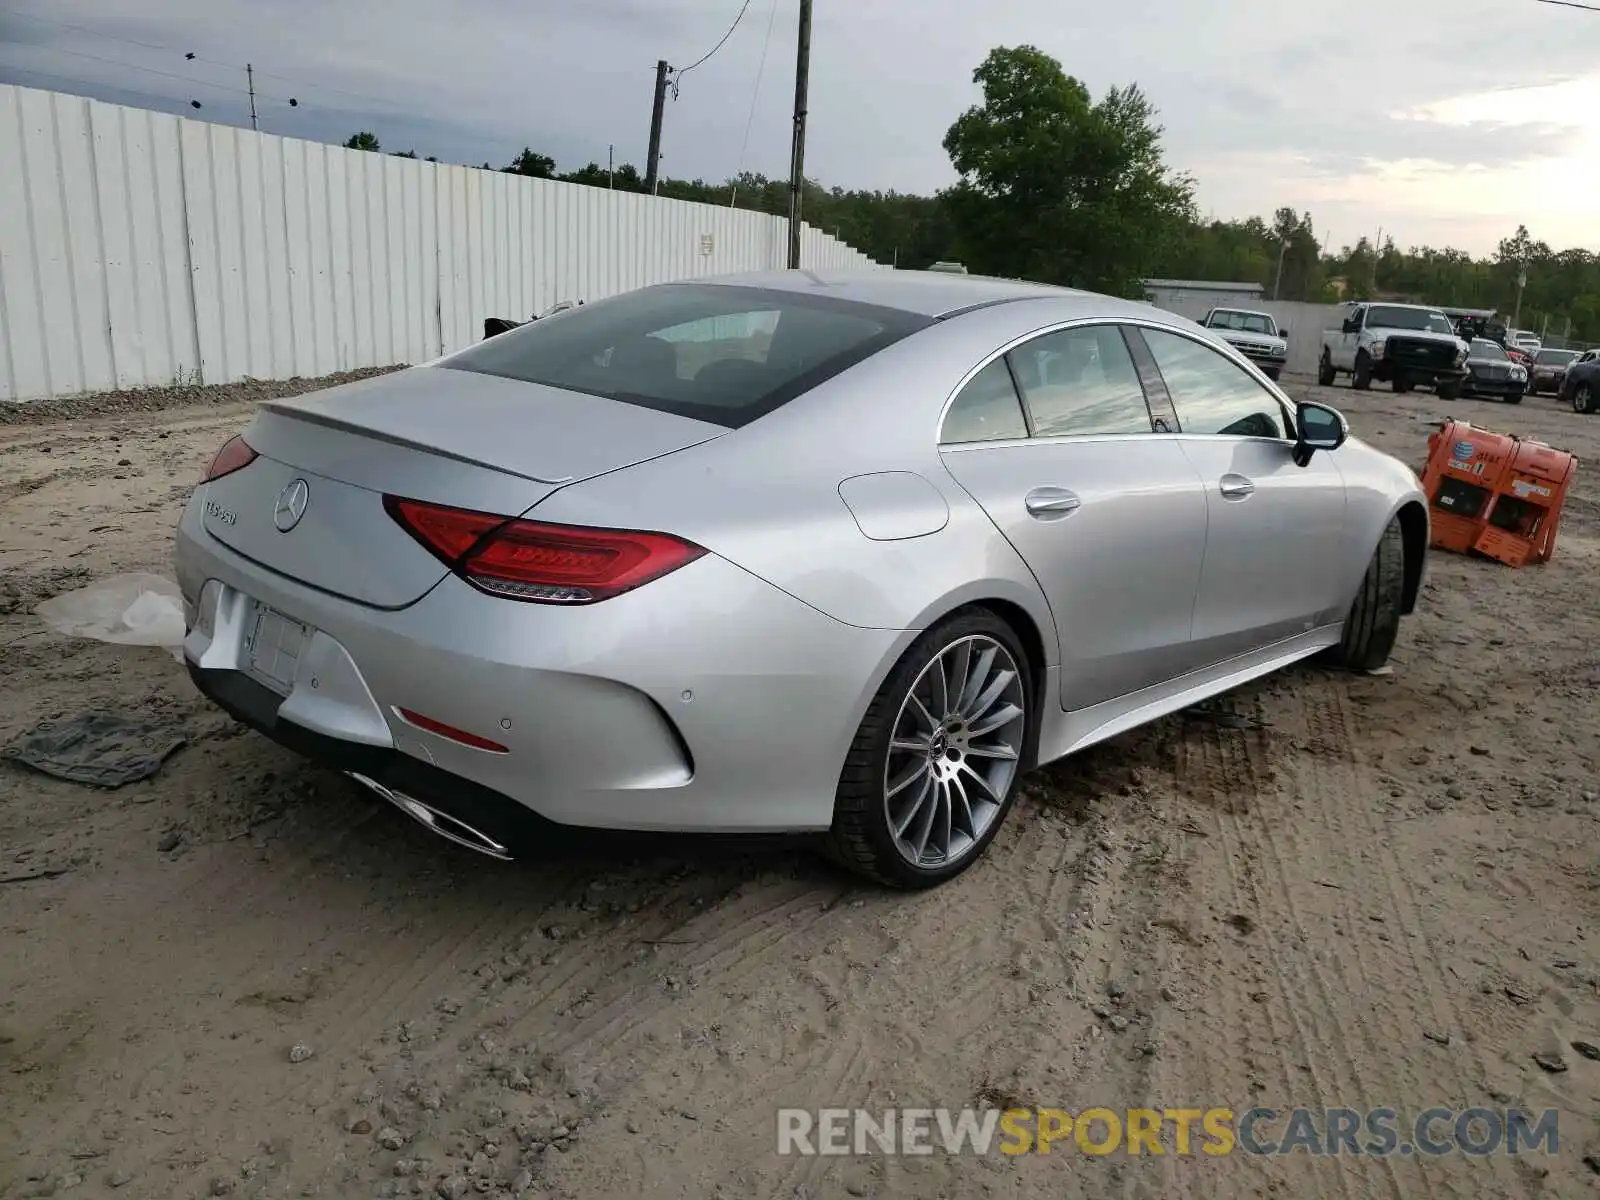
157	399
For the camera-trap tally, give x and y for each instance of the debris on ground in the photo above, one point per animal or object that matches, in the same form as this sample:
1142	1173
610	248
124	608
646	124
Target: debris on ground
136	609
98	748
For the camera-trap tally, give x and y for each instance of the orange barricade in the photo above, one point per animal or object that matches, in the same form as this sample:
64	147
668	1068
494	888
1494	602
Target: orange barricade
1495	493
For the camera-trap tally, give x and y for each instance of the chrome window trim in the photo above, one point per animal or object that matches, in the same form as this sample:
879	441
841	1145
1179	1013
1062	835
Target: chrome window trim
1219	346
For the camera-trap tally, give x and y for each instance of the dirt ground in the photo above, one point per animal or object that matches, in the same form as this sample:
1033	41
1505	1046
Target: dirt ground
1384	894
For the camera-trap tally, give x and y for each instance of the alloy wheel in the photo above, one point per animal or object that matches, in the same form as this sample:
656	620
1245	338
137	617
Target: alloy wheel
954	750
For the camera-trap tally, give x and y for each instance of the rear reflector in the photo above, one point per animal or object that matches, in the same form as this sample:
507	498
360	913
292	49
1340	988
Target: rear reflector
533	561
235	454
449	731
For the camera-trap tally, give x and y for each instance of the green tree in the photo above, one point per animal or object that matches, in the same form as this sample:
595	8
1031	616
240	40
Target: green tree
1056	187
363	141
536	166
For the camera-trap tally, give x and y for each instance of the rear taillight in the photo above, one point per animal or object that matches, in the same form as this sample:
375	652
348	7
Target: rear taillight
235	454
546	564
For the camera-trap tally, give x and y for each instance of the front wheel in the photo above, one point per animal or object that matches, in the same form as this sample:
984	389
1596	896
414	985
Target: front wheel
1401	384
1271	373
1361	380
1514	399
1373	622
1448	389
933	768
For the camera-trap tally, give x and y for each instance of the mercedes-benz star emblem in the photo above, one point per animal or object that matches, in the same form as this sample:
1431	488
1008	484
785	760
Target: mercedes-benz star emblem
291	505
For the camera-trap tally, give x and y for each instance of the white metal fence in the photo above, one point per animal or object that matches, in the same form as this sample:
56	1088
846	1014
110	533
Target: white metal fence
138	248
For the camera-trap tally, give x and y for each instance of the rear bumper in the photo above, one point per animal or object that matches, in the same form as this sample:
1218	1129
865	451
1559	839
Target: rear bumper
708	700
502	821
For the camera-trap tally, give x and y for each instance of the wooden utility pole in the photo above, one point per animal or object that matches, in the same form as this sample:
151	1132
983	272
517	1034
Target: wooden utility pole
654	157
797	159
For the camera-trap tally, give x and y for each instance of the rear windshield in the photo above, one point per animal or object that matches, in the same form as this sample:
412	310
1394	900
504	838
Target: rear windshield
708	351
1547	358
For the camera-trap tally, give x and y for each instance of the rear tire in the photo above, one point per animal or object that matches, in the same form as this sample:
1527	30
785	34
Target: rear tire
1373	622
1325	371
1448	390
1401	385
1583	400
1361	380
918	805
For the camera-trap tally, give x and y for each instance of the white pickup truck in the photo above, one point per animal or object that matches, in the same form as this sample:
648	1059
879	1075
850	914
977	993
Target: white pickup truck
1401	344
1256	335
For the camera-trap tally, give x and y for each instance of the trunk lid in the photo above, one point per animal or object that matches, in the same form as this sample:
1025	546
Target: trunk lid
445	436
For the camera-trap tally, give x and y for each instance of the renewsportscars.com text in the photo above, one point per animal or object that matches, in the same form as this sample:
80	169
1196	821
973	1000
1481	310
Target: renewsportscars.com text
1215	1132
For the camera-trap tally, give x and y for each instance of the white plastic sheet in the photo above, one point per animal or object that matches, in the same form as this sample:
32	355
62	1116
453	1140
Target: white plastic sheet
137	609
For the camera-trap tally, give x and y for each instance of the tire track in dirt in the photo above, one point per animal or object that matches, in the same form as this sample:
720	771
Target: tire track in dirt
1336	784
1330	1016
1341	981
1216	772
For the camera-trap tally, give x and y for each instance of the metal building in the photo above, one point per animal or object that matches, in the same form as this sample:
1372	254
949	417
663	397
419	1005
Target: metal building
1192	297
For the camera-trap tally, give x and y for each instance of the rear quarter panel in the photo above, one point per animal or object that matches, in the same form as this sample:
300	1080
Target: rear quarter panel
766	497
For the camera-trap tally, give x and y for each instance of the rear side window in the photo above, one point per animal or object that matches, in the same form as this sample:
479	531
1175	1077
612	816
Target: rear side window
1080	382
715	353
986	410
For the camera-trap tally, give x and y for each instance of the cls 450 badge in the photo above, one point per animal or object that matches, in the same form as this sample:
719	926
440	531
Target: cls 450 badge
226	515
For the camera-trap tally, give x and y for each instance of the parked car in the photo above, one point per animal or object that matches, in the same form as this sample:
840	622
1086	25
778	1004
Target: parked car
1581	385
894	539
1526	341
1256	335
495	326
1401	344
1548	369
1490	372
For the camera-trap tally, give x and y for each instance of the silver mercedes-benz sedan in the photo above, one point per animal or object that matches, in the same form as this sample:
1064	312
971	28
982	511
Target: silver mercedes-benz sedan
782	552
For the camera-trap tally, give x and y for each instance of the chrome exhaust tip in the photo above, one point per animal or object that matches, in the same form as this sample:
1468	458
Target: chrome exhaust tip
441	823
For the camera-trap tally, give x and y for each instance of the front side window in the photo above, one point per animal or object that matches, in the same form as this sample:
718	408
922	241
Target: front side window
708	351
986	410
1079	382
1212	393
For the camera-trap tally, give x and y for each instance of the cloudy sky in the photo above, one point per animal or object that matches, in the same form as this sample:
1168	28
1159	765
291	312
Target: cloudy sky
1437	121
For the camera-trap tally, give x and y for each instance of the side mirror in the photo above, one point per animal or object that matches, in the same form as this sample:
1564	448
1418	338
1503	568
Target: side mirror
1317	427
1283	331
1351	325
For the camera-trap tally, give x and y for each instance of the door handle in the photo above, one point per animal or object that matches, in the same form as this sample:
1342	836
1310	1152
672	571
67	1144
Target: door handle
1236	487
1049	503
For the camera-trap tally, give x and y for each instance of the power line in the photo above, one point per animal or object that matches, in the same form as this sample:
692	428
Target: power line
743	8
215	62
755	95
190	80
74	84
1571	4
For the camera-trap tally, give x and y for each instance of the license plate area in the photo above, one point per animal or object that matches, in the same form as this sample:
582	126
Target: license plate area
272	648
